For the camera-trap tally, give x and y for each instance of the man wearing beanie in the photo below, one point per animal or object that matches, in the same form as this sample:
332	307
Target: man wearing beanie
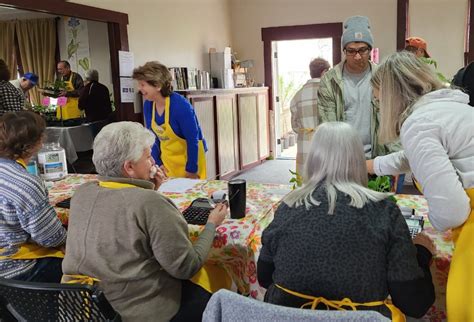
345	92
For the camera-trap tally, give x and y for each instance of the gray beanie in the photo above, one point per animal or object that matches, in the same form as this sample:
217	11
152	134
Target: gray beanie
357	29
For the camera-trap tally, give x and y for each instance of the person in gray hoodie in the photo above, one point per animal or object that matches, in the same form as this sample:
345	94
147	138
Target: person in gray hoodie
133	239
436	129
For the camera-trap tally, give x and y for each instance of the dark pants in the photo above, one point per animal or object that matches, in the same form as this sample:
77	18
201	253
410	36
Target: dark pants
193	302
46	270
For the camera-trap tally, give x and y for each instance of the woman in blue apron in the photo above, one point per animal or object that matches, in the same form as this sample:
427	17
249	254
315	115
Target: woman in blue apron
180	146
435	125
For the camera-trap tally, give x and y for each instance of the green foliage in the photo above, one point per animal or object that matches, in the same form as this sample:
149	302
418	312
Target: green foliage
45	112
296	180
286	91
52	89
112	102
381	184
431	61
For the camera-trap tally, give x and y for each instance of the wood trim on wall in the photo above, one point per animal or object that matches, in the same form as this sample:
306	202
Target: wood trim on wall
402	23
323	30
63	8
118	37
469	57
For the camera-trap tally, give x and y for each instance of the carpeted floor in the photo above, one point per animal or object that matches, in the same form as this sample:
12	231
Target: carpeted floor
271	171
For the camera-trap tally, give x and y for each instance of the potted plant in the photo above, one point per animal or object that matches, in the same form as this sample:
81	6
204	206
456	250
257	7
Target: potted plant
49	115
53	89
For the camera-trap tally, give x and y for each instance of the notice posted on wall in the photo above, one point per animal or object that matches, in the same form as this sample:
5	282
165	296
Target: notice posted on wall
126	63
127	90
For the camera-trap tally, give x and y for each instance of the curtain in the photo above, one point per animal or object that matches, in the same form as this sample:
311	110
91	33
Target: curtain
37	44
7	46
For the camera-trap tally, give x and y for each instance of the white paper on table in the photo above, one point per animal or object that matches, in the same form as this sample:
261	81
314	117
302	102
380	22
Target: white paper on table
179	185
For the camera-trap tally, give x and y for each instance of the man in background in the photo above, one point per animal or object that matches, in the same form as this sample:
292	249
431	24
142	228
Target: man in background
95	101
464	79
24	84
74	83
418	46
10	99
345	92
304	110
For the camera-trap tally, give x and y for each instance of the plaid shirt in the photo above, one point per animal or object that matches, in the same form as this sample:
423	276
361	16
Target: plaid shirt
304	119
10	99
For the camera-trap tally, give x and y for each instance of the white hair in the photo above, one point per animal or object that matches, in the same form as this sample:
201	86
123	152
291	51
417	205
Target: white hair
92	75
117	143
336	161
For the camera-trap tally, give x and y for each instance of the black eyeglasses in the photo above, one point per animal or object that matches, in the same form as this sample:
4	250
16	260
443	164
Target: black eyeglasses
361	51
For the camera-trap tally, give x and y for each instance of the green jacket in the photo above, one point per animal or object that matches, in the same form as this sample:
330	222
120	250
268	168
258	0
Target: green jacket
331	107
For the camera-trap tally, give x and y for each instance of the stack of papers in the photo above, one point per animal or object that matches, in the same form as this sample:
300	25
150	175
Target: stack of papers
179	185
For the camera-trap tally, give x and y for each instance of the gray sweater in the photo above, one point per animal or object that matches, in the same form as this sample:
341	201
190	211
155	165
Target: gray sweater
135	241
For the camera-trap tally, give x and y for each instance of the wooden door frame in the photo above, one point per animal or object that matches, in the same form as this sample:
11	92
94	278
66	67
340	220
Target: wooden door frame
323	30
117	31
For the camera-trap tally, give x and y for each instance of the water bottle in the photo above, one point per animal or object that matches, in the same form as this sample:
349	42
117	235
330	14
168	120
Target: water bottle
52	162
32	166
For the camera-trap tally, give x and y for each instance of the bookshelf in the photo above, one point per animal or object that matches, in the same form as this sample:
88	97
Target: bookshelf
185	78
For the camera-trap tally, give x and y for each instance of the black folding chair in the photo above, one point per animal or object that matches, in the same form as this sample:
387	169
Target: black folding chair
28	301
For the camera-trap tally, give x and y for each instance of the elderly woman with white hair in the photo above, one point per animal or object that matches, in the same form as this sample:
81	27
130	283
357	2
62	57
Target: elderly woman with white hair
94	99
436	128
335	243
133	239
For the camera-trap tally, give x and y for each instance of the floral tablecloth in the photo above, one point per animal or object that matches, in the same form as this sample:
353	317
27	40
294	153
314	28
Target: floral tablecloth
441	260
237	243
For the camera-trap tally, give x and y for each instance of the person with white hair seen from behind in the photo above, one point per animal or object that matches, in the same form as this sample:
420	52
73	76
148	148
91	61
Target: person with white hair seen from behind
133	239
335	241
94	99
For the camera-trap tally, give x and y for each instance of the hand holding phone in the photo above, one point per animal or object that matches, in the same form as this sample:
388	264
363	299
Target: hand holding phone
218	214
157	176
153	171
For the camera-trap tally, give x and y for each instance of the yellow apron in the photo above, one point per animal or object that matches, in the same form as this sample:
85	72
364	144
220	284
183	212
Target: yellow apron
31	250
71	109
174	149
460	289
397	315
210	277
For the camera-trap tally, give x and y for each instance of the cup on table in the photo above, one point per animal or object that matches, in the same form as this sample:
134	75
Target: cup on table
237	194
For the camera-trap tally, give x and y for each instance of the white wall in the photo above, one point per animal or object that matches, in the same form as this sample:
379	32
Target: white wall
442	23
249	16
98	49
175	32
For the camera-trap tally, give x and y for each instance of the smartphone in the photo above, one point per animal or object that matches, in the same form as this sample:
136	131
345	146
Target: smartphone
153	171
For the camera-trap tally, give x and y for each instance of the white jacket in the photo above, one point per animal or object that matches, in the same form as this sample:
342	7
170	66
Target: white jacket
438	143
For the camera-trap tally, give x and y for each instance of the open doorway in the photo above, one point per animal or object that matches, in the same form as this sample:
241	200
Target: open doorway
290	63
290	41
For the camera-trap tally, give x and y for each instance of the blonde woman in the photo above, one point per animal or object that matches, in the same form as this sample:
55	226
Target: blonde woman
180	146
436	128
335	239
